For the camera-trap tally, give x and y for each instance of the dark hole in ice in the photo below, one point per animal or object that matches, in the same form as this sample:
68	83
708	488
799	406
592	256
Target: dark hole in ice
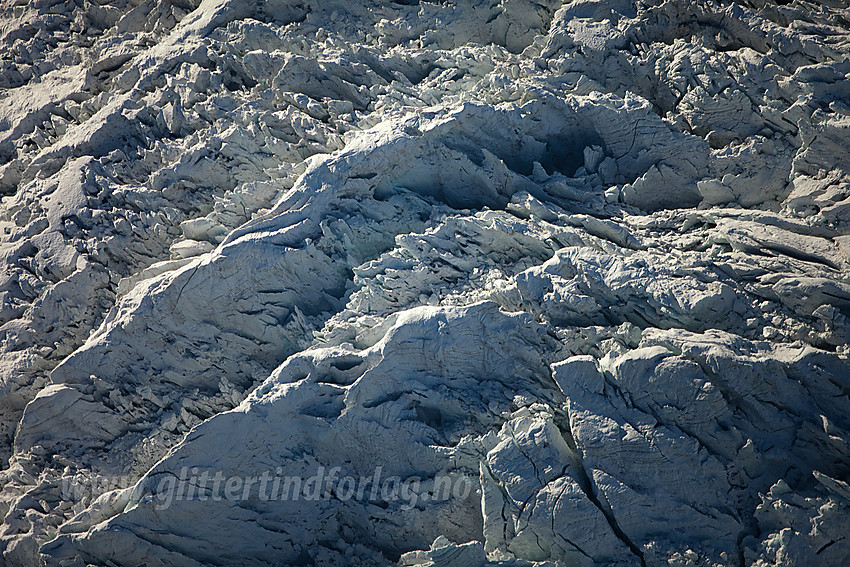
565	154
346	364
430	416
325	407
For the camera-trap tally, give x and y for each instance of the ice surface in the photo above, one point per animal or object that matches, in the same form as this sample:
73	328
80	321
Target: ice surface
588	262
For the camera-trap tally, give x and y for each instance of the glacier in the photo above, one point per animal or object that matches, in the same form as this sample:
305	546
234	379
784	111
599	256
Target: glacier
552	283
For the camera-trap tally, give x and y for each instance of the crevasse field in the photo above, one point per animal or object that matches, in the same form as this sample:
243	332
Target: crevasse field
552	284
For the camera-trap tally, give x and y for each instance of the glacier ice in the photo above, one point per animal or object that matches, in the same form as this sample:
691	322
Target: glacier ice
584	265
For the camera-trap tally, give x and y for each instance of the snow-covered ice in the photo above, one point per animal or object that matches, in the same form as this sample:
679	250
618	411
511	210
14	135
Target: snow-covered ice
586	264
